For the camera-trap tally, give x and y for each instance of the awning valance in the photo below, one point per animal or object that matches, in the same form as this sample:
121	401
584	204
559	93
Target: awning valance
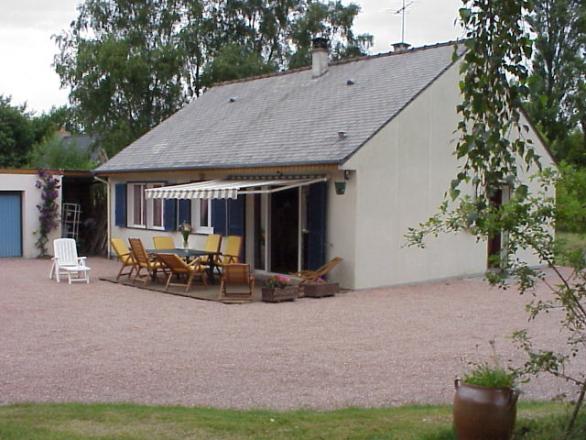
228	189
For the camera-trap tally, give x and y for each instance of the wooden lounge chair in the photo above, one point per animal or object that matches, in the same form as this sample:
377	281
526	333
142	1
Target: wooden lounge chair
163	243
231	252
143	261
66	262
316	276
124	256
237	274
179	268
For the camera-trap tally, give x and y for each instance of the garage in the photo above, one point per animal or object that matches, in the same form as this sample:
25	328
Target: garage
10	224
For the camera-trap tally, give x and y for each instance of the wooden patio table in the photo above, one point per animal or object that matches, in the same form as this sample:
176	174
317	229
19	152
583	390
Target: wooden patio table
188	254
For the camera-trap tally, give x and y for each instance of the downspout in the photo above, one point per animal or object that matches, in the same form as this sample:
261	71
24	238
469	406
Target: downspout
108	209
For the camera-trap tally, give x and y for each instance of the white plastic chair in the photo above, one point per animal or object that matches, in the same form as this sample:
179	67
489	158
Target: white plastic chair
66	262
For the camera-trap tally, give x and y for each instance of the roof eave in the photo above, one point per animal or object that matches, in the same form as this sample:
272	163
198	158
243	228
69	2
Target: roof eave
324	163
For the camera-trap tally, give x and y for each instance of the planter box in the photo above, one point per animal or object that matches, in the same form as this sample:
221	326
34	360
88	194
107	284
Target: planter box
319	290
288	293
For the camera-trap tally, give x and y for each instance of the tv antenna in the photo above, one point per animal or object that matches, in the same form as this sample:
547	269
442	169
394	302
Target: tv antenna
401	11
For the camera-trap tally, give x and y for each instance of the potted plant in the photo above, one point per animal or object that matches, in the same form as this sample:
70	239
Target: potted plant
485	403
320	289
185	229
279	288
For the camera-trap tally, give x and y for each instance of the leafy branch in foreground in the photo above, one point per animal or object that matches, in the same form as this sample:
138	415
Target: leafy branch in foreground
492	149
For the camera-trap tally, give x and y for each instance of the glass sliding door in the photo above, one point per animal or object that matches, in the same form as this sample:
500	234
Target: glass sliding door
284	231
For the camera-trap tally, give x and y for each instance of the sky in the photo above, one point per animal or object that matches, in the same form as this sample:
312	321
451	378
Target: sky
27	50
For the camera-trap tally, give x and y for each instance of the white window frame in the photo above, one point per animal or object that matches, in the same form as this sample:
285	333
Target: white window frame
130	206
146	207
195	217
151	212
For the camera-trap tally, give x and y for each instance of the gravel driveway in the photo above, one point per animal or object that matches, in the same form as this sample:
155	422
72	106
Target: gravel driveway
109	343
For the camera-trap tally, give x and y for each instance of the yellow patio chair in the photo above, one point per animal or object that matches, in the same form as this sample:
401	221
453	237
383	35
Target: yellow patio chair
143	261
179	267
232	251
163	243
213	243
124	256
316	276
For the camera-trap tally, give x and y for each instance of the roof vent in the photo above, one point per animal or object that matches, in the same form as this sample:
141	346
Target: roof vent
342	135
319	57
350	82
232	99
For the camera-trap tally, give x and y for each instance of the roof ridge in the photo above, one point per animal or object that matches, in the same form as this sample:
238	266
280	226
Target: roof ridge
335	63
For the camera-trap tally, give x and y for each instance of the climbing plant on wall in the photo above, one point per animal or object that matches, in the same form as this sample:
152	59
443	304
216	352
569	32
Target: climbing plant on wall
48	209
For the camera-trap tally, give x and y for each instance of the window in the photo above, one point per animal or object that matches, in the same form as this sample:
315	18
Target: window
202	216
137	207
157	210
144	213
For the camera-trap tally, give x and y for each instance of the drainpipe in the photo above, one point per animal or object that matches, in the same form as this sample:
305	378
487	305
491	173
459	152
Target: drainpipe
108	209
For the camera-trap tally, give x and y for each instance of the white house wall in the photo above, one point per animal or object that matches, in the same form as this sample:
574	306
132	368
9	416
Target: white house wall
402	174
31	197
341	230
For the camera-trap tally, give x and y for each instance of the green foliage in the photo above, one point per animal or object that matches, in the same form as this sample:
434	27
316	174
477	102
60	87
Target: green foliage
16	134
56	154
497	50
20	131
488	376
125	65
235	62
332	20
569	244
48	209
571	148
557	82
571	199
130	64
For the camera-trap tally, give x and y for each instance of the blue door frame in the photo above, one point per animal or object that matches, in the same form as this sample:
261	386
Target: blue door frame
10	224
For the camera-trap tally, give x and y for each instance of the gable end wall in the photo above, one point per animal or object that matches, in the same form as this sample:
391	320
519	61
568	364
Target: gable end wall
402	174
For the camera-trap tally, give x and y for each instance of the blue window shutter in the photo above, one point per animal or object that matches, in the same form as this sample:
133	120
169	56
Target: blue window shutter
219	216
236	216
183	211
170	214
236	225
120	209
316	224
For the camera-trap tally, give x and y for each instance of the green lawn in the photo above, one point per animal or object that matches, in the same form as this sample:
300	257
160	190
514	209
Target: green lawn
568	243
123	421
572	240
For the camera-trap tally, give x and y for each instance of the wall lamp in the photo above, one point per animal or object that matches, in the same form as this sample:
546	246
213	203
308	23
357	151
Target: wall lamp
340	186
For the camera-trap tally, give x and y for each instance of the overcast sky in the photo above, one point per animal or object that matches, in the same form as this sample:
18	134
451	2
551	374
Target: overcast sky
27	51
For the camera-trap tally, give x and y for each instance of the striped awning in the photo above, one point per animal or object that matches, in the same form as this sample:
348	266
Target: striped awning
228	189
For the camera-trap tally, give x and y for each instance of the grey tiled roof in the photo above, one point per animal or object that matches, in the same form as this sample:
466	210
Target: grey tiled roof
288	118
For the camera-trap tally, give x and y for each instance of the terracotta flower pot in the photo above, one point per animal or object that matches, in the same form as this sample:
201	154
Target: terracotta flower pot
482	413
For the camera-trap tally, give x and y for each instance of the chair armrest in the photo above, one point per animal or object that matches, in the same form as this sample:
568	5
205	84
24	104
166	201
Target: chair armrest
81	260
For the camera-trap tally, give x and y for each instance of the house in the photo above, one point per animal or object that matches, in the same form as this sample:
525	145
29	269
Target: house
331	160
19	215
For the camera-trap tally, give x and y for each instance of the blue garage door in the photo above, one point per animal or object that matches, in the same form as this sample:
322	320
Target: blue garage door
10	225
